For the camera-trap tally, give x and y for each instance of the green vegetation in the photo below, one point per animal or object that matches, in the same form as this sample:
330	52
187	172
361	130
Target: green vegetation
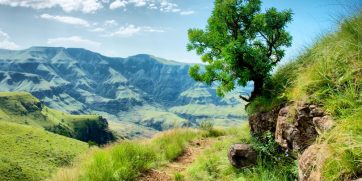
28	153
329	73
240	44
23	108
125	161
209	130
225	116
213	163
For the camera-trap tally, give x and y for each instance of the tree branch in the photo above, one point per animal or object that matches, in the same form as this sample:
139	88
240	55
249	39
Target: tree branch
244	98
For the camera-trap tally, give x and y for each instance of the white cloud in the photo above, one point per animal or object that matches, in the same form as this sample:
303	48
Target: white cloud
97	30
126	31
110	23
138	3
74	41
161	5
185	13
131	30
6	43
86	6
118	4
66	19
152	30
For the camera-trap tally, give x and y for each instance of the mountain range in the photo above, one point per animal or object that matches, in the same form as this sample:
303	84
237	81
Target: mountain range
139	95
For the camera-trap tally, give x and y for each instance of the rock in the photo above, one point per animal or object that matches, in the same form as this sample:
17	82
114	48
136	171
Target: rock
323	124
311	161
297	128
242	155
359	179
264	121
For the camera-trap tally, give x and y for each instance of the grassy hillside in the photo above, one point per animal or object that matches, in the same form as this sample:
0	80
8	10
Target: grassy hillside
127	160
28	153
330	74
23	108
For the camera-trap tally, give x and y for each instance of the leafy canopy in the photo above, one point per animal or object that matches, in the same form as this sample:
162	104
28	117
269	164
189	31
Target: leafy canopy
240	44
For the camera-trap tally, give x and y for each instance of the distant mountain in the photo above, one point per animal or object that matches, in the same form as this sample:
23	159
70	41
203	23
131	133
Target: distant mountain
139	95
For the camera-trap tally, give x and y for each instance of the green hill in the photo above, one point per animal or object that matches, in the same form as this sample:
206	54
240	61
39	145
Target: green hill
23	108
328	74
28	153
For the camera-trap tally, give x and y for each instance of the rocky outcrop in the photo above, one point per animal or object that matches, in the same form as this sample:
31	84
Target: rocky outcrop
242	155
264	121
311	161
298	126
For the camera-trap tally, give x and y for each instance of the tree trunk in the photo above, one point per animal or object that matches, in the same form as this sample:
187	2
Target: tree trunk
258	88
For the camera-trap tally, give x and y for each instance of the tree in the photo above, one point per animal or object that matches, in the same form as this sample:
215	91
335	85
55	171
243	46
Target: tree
240	44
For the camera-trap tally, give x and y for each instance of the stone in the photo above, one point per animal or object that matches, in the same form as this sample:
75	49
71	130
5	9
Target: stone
264	121
323	124
359	179
316	112
311	161
296	131
242	155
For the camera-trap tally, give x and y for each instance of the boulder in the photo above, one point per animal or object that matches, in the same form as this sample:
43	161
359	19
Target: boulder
311	161
242	155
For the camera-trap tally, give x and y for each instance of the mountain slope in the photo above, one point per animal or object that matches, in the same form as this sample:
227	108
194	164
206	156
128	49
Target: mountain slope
80	81
23	108
28	153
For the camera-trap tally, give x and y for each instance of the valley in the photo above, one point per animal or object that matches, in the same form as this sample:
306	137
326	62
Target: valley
139	95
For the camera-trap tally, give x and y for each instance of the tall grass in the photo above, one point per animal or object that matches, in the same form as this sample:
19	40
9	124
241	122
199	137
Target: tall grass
344	144
123	162
171	144
127	160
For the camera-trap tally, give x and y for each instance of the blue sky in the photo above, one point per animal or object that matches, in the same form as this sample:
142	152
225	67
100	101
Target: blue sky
158	27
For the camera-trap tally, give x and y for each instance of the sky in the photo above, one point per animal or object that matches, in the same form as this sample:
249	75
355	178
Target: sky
122	28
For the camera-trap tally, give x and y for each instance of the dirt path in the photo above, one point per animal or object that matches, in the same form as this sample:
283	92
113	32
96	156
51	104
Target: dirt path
166	173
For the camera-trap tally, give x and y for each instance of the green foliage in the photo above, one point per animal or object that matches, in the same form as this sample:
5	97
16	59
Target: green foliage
240	44
266	146
178	176
28	153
